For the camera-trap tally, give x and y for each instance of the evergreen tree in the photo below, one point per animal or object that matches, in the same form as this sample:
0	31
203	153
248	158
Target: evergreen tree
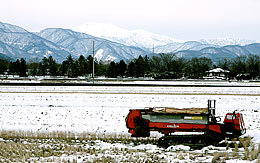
89	63
167	60
11	68
14	67
147	66
52	66
253	66
82	66
75	69
112	70
23	68
139	67
224	64
122	68
72	67
63	68
43	66
34	68
178	66
197	67
238	66
130	69
3	66
17	66
101	69
156	66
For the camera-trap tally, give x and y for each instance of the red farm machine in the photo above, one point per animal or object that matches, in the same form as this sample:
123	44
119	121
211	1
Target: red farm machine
179	125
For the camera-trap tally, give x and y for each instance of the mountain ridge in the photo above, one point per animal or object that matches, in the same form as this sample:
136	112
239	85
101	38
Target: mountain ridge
140	38
81	44
16	43
218	53
149	40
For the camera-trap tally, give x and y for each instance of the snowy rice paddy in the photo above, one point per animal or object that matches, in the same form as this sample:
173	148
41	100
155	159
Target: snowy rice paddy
102	110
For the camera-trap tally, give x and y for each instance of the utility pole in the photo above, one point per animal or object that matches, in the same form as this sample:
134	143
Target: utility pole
153	50
93	73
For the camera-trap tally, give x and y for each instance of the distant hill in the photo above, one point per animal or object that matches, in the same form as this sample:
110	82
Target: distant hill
4	57
16	43
138	38
82	44
216	54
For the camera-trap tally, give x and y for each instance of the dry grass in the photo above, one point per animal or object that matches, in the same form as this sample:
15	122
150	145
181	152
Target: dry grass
216	157
21	146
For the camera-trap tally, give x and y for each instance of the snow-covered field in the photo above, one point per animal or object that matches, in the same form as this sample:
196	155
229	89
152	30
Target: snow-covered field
103	109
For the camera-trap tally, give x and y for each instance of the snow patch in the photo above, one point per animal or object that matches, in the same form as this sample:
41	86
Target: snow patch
139	38
49	52
99	54
178	148
255	134
110	58
228	41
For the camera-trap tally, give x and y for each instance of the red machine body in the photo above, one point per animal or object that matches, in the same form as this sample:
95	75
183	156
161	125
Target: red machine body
169	120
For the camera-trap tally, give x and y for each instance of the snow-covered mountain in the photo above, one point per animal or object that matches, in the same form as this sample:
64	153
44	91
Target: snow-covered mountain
228	41
5	27
193	45
82	44
138	38
147	40
16	43
218	53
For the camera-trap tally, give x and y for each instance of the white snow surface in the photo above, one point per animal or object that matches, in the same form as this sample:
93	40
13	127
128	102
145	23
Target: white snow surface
99	54
138	37
103	109
110	58
228	41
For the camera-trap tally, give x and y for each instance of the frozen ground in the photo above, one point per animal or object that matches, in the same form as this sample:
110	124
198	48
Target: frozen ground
103	109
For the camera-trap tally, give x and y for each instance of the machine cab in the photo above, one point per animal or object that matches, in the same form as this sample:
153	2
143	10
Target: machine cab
234	123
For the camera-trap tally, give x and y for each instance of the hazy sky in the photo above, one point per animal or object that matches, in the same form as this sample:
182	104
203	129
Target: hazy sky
181	19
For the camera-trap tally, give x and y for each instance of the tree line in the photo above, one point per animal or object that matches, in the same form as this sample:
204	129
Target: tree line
162	66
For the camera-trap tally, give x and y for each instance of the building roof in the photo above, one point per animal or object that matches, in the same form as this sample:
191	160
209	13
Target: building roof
218	70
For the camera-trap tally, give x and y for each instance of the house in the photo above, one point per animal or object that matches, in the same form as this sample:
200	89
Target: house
217	73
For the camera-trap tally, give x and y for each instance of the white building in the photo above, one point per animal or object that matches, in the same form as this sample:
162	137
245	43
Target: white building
217	73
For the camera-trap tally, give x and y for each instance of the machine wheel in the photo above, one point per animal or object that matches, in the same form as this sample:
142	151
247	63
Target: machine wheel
142	128
142	132
194	141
